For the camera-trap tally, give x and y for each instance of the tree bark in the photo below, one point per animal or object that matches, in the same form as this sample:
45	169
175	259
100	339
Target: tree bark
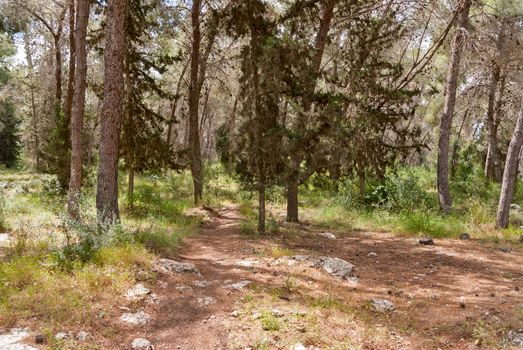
78	108
111	116
445	199
327	13
361	185
194	101
72	64
492	163
509	175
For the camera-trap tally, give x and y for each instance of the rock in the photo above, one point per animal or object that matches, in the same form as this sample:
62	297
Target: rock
40	339
515	207
138	292
142	344
14	336
239	285
5	239
202	283
464	236
298	346
505	249
17	346
277	313
246	263
137	319
382	305
235	313
256	315
62	336
516	337
82	336
170	266
328	235
462	302
372	255
206	301
426	241
142	275
336	267
183	288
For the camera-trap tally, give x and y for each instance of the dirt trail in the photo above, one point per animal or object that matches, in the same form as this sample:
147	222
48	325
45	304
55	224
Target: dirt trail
426	283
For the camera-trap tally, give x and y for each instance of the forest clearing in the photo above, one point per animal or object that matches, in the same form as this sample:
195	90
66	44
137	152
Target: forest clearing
261	174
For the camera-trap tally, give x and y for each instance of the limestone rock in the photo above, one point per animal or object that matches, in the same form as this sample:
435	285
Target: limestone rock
328	235
336	267
141	344
138	292
206	301
136	319
382	305
464	236
170	266
516	337
372	255
9	341
239	285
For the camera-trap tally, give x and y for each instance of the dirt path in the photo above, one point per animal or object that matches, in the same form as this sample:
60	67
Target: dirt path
454	295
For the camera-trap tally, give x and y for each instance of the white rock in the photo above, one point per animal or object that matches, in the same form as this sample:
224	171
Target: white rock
202	283
142	344
17	346
328	235
61	336
138	292
277	313
516	337
336	267
235	313
372	255
137	319
300	346
206	301
246	263
170	266
82	336
239	285
15	335
382	305
5	239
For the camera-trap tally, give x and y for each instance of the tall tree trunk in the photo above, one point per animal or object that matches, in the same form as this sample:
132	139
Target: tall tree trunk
492	163
78	108
174	104
72	66
509	175
111	116
194	102
327	12
34	114
455	149
445	200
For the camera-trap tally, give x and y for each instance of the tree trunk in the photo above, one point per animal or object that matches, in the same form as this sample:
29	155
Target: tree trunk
72	65
175	103
492	163
445	200
194	101
455	149
292	202
111	116
261	208
509	175
327	13
361	180
78	107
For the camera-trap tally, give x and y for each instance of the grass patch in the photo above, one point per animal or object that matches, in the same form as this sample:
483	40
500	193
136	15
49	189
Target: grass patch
269	321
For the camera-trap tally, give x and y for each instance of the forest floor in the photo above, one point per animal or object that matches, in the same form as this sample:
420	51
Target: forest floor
452	295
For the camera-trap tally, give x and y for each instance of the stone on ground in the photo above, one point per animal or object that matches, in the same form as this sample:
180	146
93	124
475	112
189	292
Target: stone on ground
138	292
382	305
372	255
9	341
515	207
239	285
142	344
136	319
426	241
170	266
516	337
328	235
61	335
336	267
300	346
206	301
82	336
246	263
464	236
